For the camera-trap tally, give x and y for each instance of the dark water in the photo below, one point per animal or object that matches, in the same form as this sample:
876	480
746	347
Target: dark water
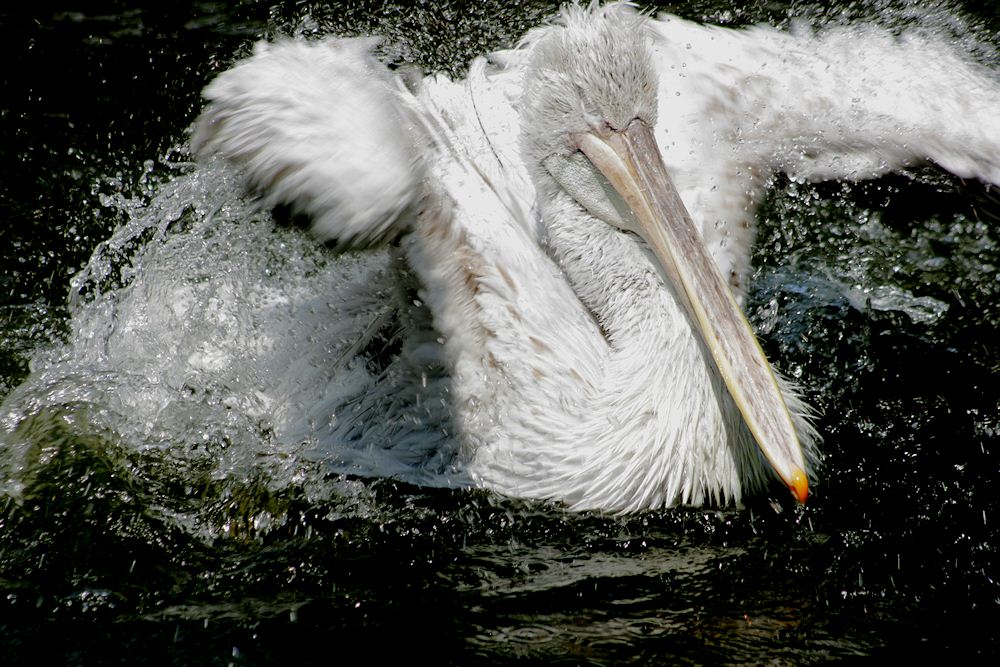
895	554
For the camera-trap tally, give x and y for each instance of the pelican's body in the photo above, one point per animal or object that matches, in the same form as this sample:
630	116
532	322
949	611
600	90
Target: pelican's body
546	353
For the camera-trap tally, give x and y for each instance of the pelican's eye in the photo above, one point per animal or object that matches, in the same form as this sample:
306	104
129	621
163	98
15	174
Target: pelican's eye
598	124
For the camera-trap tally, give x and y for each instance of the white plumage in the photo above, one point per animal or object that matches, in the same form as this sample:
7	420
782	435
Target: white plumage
544	353
316	126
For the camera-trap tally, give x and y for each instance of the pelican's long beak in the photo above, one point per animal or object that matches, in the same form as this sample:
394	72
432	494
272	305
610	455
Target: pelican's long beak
631	161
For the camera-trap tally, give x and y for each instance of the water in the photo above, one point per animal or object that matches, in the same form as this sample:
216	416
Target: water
155	508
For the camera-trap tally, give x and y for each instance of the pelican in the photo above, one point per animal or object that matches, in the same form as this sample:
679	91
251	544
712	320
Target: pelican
570	317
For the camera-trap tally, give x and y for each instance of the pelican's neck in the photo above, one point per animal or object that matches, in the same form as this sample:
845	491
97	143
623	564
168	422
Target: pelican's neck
616	279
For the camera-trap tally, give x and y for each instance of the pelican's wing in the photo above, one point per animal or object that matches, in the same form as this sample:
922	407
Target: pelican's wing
847	102
326	128
315	125
514	331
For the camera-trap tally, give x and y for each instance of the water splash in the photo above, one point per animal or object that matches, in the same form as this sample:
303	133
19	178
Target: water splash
200	335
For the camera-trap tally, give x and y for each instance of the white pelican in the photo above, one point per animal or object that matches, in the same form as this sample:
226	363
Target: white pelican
593	352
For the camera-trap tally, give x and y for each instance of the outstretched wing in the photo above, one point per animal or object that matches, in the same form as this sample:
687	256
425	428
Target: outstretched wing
847	102
326	128
315	125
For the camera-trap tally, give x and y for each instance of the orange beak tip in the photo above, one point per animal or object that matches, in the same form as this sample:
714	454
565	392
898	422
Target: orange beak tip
799	485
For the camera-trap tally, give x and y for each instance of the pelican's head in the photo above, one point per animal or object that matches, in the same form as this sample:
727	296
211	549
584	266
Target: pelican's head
591	72
588	112
591	78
